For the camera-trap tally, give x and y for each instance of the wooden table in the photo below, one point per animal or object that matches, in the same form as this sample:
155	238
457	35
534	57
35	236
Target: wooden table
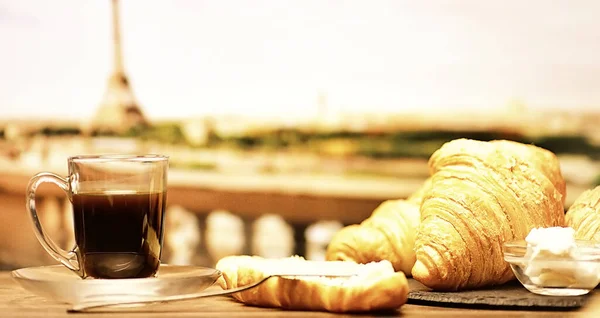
17	302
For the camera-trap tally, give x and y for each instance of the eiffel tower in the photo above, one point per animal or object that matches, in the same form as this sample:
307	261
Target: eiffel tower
119	111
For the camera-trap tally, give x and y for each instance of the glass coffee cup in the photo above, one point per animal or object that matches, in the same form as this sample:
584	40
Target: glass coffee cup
118	213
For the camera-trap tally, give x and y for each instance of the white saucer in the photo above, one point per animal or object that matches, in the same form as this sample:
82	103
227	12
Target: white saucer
60	284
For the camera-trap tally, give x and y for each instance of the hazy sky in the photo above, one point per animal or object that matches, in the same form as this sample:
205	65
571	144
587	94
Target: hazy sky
188	58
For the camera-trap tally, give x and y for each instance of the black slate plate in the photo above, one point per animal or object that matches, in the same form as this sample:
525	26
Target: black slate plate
508	296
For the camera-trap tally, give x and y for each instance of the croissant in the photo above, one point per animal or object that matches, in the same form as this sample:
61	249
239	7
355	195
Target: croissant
584	215
388	234
376	286
483	194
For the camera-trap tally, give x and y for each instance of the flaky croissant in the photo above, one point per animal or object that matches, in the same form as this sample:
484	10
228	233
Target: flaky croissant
388	234
584	215
483	194
375	287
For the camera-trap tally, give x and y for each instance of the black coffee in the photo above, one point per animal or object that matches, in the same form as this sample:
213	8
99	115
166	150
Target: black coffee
119	235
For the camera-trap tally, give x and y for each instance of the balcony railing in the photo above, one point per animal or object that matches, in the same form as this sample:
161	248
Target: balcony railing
250	208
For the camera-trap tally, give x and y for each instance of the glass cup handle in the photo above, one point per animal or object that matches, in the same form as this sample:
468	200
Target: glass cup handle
67	258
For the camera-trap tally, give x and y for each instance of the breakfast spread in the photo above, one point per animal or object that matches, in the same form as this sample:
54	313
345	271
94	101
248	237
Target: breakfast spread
449	234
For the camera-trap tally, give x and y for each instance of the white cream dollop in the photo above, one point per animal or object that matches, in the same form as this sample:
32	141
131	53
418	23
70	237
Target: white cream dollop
558	241
554	259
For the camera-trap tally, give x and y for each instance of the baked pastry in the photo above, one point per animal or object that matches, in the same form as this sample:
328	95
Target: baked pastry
388	234
483	194
584	215
376	286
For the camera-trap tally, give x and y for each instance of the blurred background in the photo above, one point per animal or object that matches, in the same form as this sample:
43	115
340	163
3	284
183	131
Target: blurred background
284	120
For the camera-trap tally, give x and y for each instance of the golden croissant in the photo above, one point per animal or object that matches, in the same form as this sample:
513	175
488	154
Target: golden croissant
374	287
584	215
483	194
388	234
